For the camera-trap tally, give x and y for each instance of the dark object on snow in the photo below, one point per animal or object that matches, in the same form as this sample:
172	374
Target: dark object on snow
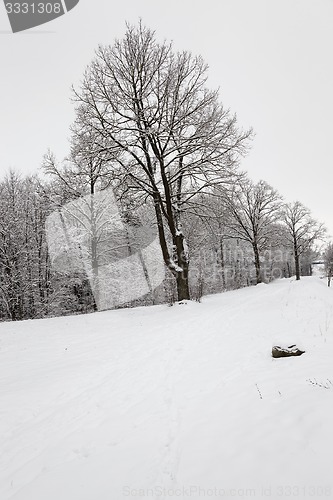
284	352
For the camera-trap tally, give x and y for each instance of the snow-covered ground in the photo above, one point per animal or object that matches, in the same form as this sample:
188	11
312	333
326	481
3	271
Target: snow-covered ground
172	402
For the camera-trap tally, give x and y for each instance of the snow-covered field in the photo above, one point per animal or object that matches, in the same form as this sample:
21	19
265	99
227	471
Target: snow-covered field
172	402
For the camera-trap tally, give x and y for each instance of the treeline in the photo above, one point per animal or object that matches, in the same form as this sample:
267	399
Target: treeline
154	157
29	286
239	238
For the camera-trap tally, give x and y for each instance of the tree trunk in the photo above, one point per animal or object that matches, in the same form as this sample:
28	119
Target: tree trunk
257	262
94	249
222	264
47	280
297	266
183	262
182	286
180	258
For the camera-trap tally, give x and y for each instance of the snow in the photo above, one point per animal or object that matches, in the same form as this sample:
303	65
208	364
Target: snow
172	402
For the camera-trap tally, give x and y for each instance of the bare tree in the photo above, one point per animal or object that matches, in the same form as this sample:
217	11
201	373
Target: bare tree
328	260
302	230
172	136
254	209
87	170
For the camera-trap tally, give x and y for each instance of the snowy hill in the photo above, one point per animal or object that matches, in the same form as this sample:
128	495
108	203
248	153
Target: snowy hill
172	402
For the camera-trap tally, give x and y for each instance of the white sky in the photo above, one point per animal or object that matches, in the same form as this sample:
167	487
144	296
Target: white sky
272	60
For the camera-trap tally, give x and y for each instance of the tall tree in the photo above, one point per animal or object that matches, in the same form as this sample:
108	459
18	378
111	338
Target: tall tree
85	172
254	209
302	231
328	261
172	135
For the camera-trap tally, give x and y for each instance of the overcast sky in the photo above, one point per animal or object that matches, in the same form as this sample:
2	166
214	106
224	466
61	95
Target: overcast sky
272	60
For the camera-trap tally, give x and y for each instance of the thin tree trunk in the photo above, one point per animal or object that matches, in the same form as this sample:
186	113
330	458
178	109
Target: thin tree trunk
297	266
222	264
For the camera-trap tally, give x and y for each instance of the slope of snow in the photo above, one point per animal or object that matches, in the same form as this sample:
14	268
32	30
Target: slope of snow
172	402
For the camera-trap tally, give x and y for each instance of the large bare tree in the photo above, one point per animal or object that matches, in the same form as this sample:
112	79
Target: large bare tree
302	230
170	135
254	209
